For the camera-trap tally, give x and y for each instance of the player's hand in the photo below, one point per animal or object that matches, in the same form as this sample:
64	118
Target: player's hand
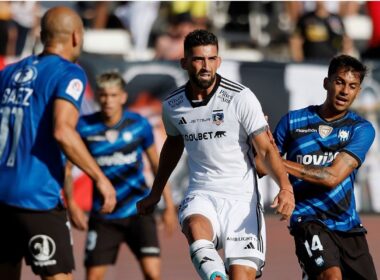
77	216
284	203
169	218
148	204
108	193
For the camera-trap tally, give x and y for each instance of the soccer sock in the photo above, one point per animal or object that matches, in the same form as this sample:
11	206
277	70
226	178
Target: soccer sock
206	259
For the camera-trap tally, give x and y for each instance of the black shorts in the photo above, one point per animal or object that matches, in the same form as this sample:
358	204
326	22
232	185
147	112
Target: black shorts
318	249
105	237
42	237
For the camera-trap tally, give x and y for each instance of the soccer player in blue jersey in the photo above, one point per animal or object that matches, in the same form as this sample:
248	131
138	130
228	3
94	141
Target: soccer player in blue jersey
324	147
39	108
118	138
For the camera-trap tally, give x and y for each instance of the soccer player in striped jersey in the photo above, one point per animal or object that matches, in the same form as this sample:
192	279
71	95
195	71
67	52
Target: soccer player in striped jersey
324	147
219	121
117	139
39	109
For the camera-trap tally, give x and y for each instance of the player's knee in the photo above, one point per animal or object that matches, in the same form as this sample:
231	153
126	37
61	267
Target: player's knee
197	227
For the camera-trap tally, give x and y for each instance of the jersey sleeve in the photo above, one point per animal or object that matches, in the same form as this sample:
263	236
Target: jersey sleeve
170	129
250	113
360	142
148	138
72	85
281	133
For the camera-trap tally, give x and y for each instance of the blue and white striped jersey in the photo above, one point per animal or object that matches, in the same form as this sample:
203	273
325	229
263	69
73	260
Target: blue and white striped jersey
308	139
118	151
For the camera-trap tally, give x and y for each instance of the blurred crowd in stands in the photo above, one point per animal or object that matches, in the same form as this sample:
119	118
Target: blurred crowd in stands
275	30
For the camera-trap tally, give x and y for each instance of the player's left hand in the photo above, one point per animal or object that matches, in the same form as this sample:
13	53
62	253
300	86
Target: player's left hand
169	218
284	203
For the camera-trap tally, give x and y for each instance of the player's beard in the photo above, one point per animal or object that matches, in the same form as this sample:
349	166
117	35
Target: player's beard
202	84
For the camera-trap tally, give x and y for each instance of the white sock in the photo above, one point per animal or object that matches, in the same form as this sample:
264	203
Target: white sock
206	259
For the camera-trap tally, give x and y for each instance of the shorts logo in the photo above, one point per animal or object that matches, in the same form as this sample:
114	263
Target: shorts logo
42	248
91	240
249	246
319	261
324	130
217	117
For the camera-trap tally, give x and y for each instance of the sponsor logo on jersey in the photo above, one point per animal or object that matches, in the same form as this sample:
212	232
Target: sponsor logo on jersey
182	121
324	130
96	138
112	135
224	96
42	248
200	120
24	75
175	101
217	117
75	88
204	136
306	130
343	135
327	157
117	159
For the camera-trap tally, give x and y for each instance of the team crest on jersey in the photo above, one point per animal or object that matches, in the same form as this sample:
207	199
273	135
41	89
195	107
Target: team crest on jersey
324	130
112	135
343	135
25	75
217	117
127	136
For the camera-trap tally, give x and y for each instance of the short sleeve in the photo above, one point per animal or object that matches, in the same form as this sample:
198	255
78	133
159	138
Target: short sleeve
250	113
360	142
169	126
280	134
72	85
148	137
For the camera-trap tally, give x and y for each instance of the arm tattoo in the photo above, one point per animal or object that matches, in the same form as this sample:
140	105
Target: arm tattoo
315	172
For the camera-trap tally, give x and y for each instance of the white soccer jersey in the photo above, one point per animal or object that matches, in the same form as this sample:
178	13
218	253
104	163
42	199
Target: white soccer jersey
216	134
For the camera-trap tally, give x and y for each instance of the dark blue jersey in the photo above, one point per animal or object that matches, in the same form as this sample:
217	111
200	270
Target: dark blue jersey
118	151
308	139
31	163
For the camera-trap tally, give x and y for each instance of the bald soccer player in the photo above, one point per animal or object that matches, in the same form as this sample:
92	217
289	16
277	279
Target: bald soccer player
39	109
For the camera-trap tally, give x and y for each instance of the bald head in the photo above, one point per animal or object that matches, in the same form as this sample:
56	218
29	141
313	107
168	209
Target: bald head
59	27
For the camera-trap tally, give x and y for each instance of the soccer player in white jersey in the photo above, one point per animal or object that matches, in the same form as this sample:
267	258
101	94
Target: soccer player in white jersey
221	123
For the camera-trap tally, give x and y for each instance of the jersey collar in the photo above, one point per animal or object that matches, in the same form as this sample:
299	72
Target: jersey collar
205	101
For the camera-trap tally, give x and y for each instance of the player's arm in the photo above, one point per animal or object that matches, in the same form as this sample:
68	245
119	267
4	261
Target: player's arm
343	165
272	164
65	118
76	214
169	214
170	155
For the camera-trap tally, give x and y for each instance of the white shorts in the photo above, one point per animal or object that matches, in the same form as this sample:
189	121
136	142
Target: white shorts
238	226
